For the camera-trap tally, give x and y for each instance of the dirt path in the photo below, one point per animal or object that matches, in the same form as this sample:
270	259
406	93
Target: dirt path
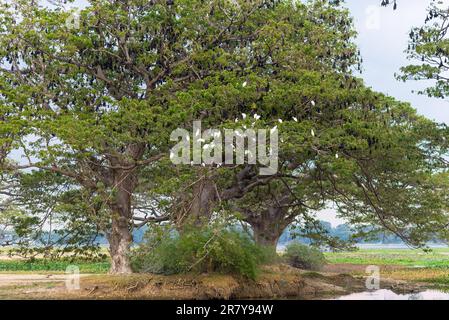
34	286
8	279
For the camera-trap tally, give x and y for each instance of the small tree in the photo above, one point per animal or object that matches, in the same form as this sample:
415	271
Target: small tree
428	50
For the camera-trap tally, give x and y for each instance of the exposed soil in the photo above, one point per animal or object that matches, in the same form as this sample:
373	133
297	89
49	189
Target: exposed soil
276	282
7	279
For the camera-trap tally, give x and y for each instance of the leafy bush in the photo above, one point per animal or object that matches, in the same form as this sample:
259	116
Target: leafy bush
304	257
210	249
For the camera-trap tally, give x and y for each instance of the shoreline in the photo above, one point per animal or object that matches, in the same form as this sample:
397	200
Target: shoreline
275	282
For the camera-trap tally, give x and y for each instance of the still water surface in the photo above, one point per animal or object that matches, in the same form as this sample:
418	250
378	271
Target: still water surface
390	295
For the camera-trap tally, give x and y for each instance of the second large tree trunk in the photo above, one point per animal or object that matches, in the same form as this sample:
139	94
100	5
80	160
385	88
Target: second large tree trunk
268	226
267	234
266	237
203	201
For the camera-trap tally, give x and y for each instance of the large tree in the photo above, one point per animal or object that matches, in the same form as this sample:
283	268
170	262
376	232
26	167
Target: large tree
311	56
99	100
382	168
330	123
333	129
101	97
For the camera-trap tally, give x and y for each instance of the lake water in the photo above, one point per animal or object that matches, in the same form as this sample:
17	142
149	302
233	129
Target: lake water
378	246
390	295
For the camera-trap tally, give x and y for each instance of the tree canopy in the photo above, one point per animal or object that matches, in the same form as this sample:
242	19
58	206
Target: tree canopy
428	52
91	108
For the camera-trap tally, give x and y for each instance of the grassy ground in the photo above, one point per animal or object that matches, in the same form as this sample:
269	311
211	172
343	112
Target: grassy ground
397	264
52	266
401	264
18	265
274	282
46	279
438	258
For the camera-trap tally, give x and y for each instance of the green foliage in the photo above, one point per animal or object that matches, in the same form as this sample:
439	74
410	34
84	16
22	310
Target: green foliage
101	99
304	257
70	216
200	250
428	52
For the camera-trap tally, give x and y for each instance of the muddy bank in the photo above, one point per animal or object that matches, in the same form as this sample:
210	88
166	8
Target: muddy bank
275	282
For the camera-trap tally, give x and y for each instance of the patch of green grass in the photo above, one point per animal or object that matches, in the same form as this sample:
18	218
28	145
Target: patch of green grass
54	266
438	258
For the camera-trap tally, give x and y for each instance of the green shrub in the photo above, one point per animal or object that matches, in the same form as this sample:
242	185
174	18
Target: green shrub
304	257
165	251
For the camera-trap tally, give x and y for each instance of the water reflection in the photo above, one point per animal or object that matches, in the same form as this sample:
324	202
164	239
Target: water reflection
390	295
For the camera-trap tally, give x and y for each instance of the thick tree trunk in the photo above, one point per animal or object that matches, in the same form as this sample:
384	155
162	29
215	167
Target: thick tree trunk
120	240
120	236
267	234
268	226
205	197
203	202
